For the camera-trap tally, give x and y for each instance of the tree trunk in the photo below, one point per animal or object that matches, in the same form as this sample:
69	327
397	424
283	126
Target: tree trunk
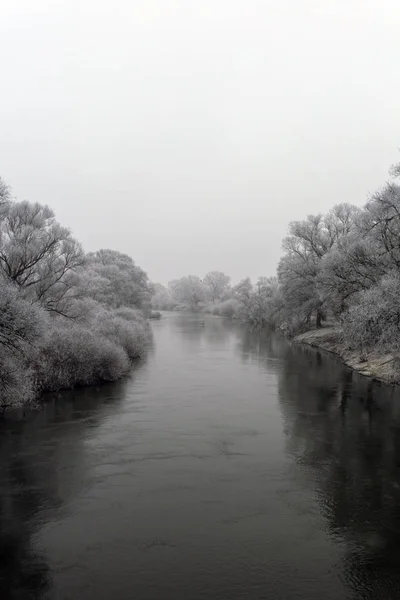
319	319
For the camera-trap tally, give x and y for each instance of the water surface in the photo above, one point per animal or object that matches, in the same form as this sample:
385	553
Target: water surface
230	465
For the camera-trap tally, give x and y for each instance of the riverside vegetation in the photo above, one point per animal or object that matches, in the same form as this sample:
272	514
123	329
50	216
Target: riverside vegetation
337	285
69	319
66	318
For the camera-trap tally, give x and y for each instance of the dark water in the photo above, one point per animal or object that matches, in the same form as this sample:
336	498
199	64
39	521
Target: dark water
231	465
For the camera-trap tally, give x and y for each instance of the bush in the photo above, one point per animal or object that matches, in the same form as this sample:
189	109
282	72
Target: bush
21	321
131	335
155	314
229	308
72	356
130	314
17	382
181	308
39	353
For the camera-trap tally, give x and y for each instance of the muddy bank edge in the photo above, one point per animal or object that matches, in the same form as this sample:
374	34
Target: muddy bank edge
383	367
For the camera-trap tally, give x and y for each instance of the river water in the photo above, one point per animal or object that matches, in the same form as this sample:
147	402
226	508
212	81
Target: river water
229	465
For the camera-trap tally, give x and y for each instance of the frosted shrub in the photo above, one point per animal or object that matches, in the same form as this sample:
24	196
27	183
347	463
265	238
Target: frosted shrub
73	356
21	322
131	335
130	314
155	314
374	319
21	325
17	386
228	309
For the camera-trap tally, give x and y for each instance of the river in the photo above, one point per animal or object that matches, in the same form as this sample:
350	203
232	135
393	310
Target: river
229	465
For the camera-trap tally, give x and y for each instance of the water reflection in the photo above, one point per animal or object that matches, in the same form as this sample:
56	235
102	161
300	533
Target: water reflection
23	572
343	434
231	459
42	467
195	330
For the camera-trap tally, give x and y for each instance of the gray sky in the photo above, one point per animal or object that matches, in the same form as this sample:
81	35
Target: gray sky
188	133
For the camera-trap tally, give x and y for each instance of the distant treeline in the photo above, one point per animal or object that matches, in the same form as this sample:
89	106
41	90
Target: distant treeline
343	266
66	318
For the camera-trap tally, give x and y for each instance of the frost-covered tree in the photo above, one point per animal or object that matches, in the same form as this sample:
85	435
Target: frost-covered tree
217	285
373	321
381	223
39	256
268	300
21	325
259	304
21	322
243	291
116	280
368	267
5	196
341	221
353	265
188	290
162	298
309	241
44	278
394	170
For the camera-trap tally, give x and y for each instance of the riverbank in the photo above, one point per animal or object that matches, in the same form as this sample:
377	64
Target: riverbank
383	367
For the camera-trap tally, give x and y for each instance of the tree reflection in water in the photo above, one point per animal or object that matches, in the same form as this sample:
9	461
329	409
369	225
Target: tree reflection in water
343	434
41	457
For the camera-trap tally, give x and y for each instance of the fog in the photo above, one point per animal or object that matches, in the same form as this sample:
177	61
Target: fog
188	134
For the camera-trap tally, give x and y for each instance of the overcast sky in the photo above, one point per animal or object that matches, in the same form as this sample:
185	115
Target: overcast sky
188	133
